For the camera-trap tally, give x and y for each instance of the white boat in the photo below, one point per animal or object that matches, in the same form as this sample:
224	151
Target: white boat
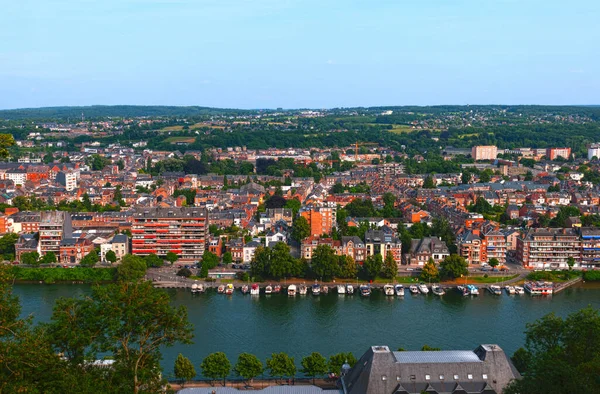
341	289
437	290
510	289
399	290
414	289
316	289
255	289
539	288
229	289
302	289
519	290
423	288
245	289
268	289
473	290
463	290
495	290
388	290
221	289
277	289
349	289
194	288
291	290
200	288
365	290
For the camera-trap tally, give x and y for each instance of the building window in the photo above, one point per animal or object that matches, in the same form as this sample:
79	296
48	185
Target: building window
455	377
470	376
485	376
441	377
427	377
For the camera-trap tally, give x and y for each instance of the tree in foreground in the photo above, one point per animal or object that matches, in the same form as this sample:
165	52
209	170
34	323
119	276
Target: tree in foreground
336	361
131	268
372	266
132	321
430	272
216	366
281	365
248	366
560	355
390	268
314	365
454	266
184	369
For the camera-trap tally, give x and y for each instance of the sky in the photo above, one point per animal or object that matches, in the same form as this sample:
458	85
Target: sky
298	54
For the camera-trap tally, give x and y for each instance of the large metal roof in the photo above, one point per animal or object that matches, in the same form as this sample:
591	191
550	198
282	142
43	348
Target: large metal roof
432	357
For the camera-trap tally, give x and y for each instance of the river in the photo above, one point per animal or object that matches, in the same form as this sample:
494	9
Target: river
333	323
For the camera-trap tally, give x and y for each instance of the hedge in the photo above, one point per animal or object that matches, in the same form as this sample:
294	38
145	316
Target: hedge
51	275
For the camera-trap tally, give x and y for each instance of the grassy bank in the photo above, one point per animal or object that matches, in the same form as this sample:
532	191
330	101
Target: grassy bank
591	276
553	276
53	275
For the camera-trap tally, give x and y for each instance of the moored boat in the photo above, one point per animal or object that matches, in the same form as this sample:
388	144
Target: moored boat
221	289
341	289
423	288
316	289
399	290
495	290
200	288
519	290
277	289
302	289
365	290
437	290
473	290
349	289
388	290
268	289
539	288
510	289
463	290
413	289
291	290
194	288
255	289
229	289
245	289
325	289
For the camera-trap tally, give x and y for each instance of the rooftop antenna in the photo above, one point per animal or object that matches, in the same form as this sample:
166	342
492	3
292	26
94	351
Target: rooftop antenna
82	117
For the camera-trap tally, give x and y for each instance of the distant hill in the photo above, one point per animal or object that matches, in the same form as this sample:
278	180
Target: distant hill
97	111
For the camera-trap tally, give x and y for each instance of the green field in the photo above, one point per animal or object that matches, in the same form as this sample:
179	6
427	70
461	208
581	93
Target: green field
401	129
174	140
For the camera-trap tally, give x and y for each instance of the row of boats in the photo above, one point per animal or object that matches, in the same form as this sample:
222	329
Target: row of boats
533	288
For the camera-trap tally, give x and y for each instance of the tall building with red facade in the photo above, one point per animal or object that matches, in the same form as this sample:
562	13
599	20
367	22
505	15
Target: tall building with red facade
554	153
320	219
182	231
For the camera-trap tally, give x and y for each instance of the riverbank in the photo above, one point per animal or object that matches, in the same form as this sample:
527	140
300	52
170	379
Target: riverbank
63	275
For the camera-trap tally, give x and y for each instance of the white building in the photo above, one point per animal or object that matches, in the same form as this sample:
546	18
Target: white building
68	179
593	151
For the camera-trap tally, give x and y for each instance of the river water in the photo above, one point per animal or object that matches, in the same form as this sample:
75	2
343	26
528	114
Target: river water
334	323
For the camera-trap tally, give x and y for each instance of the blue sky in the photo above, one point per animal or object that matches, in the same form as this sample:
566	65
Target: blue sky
303	53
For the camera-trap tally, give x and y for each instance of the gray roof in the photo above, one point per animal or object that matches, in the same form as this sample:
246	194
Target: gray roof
445	356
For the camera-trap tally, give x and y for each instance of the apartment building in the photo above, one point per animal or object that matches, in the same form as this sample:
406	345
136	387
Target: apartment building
72	250
383	242
482	152
53	228
119	245
320	219
472	247
68	179
554	153
590	247
421	250
548	247
161	230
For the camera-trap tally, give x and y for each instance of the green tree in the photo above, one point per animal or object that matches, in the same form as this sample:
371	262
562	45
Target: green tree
185	272
390	268
6	141
336	361
172	257
372	266
430	272
300	229
281	261
48	258
486	175
227	258
347	267
210	260
90	259
30	258
570	262
293	204
152	260
454	266
216	366
314	365
427	348
86	202
111	257
280	365
130	321
7	246
184	369
131	268
560	355
248	366
493	262
324	262
429	183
